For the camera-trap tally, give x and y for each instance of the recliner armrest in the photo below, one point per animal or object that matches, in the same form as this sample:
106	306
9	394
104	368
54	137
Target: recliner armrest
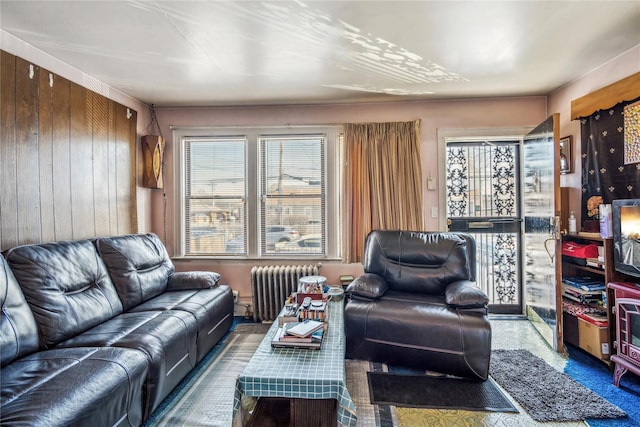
465	294
192	280
369	286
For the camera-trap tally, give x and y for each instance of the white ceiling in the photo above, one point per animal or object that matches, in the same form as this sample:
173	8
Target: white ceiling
222	53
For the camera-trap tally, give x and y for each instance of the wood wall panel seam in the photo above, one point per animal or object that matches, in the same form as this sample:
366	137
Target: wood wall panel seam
58	143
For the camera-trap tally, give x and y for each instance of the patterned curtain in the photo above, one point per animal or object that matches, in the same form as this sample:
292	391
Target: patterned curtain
605	177
382	182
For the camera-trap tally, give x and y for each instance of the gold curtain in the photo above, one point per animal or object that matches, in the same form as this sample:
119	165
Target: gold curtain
382	182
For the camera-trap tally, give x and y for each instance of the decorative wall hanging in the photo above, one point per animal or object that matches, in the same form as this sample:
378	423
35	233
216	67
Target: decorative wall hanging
604	170
153	154
632	133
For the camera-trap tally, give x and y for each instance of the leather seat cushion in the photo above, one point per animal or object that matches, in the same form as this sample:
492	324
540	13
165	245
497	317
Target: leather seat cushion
431	327
415	261
74	387
167	338
18	329
211	308
67	287
138	264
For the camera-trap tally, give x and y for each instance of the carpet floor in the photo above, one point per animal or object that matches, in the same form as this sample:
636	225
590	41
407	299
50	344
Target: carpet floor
597	376
205	397
545	393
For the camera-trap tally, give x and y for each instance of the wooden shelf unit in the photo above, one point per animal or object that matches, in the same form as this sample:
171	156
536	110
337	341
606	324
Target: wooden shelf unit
608	274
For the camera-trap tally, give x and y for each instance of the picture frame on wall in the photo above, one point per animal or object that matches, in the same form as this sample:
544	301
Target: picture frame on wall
566	155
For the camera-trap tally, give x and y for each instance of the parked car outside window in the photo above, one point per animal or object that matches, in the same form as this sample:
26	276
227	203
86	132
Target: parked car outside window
308	243
280	233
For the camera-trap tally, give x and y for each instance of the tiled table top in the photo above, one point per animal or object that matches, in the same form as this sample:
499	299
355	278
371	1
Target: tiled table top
301	373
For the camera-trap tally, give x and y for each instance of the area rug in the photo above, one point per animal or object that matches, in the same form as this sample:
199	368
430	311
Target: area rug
596	376
423	391
545	393
205	396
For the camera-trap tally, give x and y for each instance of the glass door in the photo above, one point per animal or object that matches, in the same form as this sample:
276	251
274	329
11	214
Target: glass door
542	246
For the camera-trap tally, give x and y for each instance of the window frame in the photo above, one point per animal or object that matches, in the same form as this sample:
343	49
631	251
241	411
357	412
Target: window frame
333	175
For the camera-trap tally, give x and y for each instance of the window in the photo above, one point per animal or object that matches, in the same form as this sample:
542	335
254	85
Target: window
292	192
214	195
254	193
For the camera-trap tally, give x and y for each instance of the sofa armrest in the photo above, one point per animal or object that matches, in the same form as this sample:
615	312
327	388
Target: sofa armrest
369	286
192	280
465	294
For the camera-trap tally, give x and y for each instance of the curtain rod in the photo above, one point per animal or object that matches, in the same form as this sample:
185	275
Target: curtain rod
288	126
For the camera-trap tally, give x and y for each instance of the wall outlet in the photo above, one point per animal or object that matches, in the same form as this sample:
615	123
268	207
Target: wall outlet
434	212
236	295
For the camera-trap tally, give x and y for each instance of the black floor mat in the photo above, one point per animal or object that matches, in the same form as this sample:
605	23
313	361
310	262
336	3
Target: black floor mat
422	391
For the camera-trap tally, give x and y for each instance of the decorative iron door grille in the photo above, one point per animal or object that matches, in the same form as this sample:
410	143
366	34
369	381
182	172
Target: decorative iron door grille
483	200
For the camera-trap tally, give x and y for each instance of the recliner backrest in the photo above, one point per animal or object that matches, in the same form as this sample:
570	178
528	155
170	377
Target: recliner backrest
18	329
424	262
138	264
67	287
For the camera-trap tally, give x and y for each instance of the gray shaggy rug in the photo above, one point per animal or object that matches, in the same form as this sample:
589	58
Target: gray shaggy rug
545	393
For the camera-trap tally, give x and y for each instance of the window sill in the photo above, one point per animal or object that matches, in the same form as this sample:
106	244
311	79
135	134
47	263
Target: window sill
252	259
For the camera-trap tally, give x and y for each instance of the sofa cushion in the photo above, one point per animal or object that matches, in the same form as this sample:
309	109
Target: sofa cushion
369	286
138	264
419	331
211	308
18	329
465	294
182	280
67	287
74	387
415	261
166	338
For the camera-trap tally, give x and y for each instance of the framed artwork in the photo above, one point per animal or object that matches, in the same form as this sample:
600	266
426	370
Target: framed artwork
632	133
566	155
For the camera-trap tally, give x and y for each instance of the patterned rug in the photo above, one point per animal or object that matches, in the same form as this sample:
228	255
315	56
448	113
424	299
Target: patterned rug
205	396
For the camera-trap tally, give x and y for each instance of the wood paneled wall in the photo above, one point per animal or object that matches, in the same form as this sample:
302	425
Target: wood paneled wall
67	159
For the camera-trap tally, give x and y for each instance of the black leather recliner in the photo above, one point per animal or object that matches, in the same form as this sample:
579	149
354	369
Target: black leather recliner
417	304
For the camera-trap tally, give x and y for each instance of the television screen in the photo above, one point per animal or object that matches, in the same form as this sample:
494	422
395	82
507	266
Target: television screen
626	236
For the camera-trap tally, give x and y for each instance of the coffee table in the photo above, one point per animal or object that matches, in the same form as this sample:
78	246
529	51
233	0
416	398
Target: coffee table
314	381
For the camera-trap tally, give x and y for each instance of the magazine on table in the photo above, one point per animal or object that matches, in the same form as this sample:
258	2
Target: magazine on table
304	329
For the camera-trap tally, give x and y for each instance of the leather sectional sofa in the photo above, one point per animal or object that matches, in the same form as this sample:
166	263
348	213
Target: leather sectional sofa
417	304
98	332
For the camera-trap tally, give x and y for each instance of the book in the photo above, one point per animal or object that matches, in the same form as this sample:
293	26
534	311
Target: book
303	329
595	263
309	343
589	234
585	283
314	337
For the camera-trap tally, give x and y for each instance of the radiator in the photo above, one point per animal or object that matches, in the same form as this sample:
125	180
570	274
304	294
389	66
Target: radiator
272	284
